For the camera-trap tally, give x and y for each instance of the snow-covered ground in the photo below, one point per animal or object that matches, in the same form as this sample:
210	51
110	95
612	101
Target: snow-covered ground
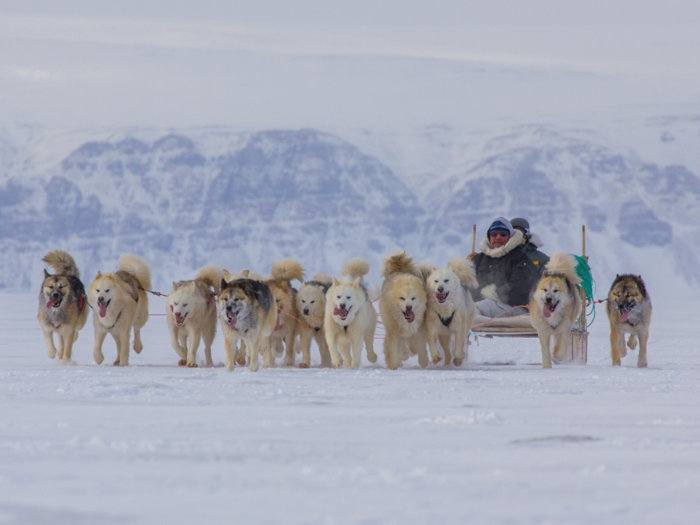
498	441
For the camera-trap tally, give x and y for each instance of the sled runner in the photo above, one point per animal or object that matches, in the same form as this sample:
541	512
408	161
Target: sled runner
520	327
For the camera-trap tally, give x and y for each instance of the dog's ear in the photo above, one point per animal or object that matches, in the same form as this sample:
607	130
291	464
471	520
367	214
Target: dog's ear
46	274
99	274
335	282
245	273
356	282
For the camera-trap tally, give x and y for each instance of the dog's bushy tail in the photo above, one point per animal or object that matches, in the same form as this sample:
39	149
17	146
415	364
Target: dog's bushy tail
62	263
398	263
287	270
426	268
323	279
137	268
211	275
356	268
464	269
562	262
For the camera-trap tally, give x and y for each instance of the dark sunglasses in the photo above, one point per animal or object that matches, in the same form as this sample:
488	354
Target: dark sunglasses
499	233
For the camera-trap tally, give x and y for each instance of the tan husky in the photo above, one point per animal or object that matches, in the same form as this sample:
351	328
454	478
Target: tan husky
121	304
191	314
350	318
282	275
402	305
555	305
62	304
451	308
629	312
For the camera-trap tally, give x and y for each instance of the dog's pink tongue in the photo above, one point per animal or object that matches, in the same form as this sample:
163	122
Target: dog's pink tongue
624	316
547	311
410	317
232	320
441	296
340	312
52	303
103	309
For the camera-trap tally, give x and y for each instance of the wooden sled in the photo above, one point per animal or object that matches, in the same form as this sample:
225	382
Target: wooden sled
577	347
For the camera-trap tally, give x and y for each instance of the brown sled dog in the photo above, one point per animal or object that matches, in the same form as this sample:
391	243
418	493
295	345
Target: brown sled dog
62	304
629	312
120	304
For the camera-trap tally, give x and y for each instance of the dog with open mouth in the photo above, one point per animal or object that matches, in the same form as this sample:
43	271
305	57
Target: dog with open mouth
247	311
243	274
554	305
629	312
283	337
451	309
62	304
120	304
350	319
402	305
311	305
191	315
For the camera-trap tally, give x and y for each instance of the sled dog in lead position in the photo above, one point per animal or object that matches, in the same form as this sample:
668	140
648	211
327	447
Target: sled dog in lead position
247	311
450	308
191	314
62	304
311	304
121	303
350	318
555	304
629	312
402	306
280	283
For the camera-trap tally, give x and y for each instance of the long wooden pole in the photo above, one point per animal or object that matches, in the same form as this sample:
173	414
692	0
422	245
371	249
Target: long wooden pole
474	239
583	237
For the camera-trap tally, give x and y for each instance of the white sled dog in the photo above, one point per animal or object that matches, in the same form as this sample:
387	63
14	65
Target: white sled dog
281	277
402	305
62	304
191	314
451	308
311	303
247	311
120	303
555	305
350	318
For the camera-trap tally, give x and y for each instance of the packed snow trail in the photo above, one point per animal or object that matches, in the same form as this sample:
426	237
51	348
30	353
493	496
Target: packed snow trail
498	441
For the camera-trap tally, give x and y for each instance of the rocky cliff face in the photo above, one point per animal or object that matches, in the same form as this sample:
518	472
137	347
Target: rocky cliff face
182	202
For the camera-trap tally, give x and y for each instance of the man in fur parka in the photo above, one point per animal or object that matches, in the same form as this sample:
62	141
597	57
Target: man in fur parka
504	271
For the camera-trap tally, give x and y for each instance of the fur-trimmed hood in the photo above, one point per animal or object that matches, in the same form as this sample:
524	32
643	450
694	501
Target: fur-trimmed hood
515	241
535	239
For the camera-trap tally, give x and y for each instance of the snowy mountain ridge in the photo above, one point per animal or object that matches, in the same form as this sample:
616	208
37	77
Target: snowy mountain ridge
243	199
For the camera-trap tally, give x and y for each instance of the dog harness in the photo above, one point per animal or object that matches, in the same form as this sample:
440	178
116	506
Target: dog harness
448	320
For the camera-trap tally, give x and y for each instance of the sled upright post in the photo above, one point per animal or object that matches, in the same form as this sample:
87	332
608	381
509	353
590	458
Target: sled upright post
577	346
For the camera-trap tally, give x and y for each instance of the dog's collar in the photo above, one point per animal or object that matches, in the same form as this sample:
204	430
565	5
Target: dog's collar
447	320
115	322
345	328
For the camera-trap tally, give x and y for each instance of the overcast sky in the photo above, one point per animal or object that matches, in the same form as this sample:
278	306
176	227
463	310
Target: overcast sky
343	63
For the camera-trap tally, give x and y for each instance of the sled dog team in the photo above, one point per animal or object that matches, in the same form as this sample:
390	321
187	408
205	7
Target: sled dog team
422	307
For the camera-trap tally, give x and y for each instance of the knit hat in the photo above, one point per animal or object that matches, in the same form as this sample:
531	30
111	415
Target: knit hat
520	223
501	223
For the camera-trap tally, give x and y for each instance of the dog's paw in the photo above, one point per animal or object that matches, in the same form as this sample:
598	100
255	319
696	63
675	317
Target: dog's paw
138	346
98	357
192	365
117	362
372	358
182	362
642	363
303	365
437	359
338	363
240	360
457	362
51	353
632	342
